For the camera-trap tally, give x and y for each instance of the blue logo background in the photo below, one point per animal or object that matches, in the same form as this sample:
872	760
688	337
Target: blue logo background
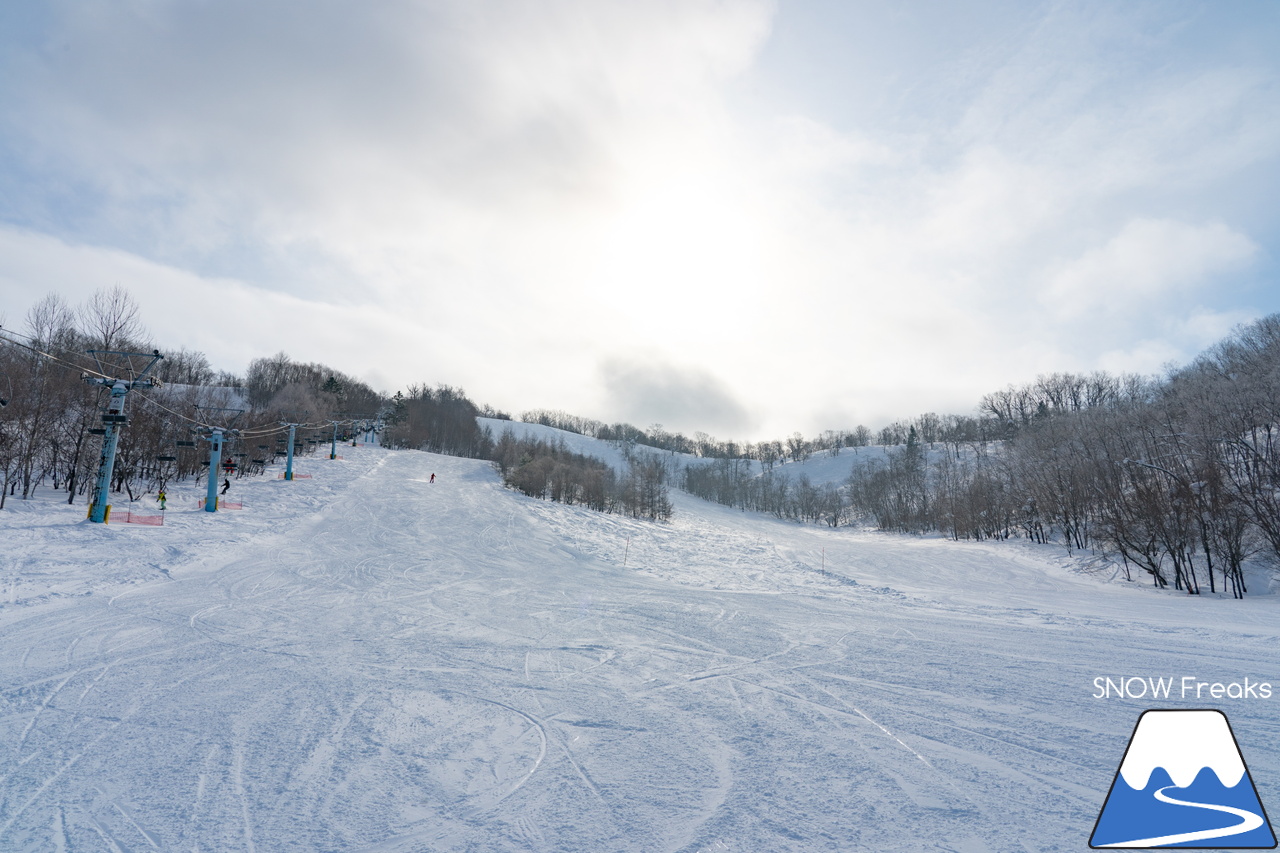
1205	814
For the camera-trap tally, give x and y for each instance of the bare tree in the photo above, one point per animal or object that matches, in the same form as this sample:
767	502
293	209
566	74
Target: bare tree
110	319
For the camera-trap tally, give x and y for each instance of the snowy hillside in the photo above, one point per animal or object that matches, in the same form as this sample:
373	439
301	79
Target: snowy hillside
608	452
821	468
369	661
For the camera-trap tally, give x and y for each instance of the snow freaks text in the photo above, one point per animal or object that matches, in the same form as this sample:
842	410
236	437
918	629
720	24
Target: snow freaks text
1186	687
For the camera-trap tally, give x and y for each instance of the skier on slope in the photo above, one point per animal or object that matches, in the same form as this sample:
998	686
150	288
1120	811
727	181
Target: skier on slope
433	478
162	498
226	484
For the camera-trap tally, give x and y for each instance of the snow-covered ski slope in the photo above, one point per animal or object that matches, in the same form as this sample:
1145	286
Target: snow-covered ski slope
366	661
821	468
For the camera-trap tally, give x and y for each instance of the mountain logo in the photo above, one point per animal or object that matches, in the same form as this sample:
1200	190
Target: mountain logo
1183	783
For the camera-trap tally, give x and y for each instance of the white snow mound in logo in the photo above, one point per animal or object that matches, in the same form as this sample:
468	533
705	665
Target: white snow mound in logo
1183	743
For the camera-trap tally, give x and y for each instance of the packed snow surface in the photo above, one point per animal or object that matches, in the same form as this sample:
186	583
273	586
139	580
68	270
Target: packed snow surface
368	661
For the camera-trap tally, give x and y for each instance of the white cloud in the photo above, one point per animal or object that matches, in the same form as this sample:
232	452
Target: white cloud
1149	263
234	320
1181	337
409	130
508	194
643	389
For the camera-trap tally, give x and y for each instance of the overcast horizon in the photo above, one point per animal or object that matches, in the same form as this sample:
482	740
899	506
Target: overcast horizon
747	218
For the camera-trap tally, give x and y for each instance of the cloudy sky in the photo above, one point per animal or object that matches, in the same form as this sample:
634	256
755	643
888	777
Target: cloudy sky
738	216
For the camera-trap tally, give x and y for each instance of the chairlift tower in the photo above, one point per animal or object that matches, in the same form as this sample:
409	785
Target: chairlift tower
288	459
215	437
349	418
114	420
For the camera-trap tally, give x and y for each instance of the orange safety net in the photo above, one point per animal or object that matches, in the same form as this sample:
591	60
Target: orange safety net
136	518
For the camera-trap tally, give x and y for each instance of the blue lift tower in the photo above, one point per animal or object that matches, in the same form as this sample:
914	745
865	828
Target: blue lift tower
114	420
215	436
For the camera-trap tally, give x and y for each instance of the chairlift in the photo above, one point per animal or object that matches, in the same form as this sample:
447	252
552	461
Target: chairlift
166	459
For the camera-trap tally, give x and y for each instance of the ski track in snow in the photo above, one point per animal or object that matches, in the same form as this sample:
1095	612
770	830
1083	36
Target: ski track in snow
366	661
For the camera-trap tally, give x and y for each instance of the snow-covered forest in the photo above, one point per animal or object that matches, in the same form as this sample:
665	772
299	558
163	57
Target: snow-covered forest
1178	476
